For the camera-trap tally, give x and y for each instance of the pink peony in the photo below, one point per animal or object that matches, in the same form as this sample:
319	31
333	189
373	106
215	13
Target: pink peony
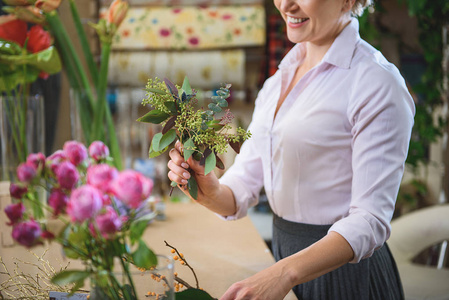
75	151
132	188
58	201
84	203
26	172
55	159
98	150
37	159
67	175
100	176
14	212
27	233
17	190
108	222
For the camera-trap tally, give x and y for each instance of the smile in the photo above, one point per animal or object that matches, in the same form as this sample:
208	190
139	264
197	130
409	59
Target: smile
295	20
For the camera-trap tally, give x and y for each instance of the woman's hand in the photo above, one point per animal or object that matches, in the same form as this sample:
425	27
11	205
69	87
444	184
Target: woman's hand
211	194
269	284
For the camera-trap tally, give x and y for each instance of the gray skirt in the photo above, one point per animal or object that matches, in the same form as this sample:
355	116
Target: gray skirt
374	278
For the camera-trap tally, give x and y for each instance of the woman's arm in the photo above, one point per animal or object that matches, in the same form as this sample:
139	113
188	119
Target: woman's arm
275	282
211	194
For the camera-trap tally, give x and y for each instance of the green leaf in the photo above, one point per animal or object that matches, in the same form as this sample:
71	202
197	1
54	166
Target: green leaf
167	139
69	276
144	257
193	294
47	60
9	48
154	116
193	188
156	142
172	88
210	163
171	105
214	107
215	124
137	229
186	86
223	103
156	91
189	149
152	153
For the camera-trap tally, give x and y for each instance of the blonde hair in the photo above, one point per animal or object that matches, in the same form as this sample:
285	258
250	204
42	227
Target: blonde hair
359	6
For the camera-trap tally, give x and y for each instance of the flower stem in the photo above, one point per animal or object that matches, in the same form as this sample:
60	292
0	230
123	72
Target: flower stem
84	42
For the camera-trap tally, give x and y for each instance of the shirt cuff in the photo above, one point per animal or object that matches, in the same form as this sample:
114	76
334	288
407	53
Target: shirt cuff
244	199
360	234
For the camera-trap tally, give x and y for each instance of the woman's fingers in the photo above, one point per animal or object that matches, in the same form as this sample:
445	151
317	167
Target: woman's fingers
177	173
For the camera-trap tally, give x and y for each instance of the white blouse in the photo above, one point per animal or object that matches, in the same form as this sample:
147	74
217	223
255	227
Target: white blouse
335	152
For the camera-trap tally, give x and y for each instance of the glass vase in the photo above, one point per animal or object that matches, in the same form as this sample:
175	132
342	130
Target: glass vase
22	131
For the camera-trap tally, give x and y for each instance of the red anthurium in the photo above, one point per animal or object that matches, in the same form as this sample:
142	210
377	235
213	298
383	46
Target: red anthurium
38	39
14	31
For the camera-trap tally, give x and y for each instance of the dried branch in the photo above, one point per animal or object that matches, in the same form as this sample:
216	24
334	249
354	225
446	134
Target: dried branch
186	263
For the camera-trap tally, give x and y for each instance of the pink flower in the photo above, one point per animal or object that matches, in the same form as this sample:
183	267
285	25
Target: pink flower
76	152
17	191
58	201
67	175
37	159
100	176
226	17
14	212
27	233
84	203
108	222
47	5
98	150
164	32
132	188
26	172
194	41
55	159
177	10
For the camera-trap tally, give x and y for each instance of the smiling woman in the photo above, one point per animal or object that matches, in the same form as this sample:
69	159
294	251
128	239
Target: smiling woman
330	134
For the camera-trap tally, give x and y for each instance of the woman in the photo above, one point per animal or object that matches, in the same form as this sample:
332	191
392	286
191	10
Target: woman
330	135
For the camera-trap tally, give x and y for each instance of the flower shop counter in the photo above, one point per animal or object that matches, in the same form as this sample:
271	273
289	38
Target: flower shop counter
220	252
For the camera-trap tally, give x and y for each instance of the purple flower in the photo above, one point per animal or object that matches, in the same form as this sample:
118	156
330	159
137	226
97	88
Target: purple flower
58	201
84	203
55	159
67	175
98	150
37	159
26	172
17	190
108	222
14	212
132	188
27	233
75	151
100	176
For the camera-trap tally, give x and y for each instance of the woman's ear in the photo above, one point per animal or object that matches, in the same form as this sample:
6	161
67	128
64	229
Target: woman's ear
347	5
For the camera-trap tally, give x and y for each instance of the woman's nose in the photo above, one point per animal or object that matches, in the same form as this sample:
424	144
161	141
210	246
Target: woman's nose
288	5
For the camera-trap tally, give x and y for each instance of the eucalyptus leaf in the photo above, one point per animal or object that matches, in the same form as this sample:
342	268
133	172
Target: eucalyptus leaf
172	88
69	276
153	154
193	187
144	257
186	86
193	294
210	163
189	149
168	138
154	116
206	153
222	93
214	107
156	91
169	125
220	163
172	107
223	103
235	145
155	143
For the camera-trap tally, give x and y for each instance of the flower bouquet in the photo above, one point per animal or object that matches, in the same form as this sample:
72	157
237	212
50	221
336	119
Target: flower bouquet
202	134
102	214
94	112
25	55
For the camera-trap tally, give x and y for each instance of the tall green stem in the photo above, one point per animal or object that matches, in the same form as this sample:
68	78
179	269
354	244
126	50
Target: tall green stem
84	42
101	89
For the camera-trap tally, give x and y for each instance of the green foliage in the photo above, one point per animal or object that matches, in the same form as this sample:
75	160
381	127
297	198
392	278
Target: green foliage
202	135
191	294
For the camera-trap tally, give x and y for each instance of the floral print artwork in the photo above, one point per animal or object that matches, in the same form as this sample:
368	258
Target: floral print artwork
192	27
207	69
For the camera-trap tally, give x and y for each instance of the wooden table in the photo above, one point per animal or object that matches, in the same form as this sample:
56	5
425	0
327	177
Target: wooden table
221	252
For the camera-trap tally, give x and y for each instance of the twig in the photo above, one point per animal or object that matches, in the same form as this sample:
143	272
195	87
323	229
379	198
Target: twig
186	263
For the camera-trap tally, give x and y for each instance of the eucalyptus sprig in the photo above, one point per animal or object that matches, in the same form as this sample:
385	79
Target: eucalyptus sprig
202	133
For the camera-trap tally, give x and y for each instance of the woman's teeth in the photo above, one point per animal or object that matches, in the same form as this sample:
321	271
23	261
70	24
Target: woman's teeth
296	21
